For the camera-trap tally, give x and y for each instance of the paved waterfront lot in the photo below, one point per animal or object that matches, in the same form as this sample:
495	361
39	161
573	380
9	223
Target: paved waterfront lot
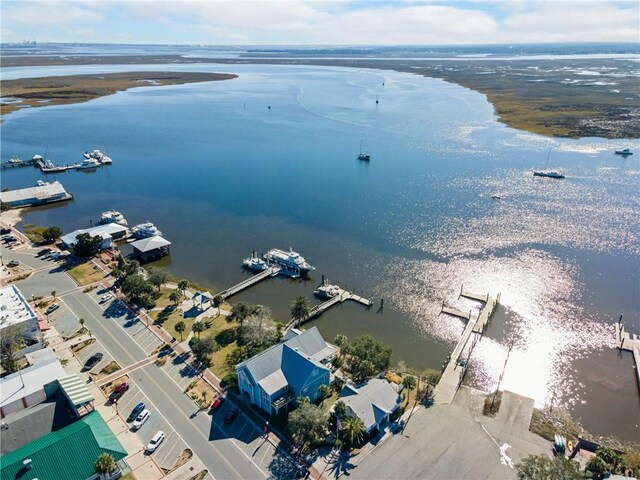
448	442
43	282
64	320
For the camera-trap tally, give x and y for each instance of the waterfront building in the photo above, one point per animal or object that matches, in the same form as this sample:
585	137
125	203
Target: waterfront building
296	367
373	403
109	233
151	248
38	195
15	310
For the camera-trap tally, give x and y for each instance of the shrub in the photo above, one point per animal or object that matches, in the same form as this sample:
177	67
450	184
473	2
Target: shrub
230	381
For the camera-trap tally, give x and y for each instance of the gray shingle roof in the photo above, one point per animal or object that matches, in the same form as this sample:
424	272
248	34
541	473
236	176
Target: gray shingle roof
150	243
372	402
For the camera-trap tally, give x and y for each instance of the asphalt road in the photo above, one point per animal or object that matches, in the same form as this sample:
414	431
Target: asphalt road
222	457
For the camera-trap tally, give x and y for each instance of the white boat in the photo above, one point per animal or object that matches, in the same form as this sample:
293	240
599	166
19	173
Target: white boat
291	261
548	173
326	291
97	155
145	230
255	263
87	164
42	183
363	156
49	167
15	160
112	216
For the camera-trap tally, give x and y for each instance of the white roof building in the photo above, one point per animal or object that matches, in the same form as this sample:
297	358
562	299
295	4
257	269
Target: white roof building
15	310
107	232
47	193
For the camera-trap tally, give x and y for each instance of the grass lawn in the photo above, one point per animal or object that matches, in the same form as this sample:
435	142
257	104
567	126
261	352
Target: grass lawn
224	333
163	300
86	273
168	319
329	401
34	232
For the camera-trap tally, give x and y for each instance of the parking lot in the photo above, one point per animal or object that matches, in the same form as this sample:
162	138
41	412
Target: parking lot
88	351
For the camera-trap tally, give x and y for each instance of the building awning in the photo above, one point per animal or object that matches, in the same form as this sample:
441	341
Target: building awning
43	325
76	390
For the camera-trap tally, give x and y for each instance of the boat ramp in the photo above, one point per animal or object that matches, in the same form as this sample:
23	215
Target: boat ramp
455	368
631	342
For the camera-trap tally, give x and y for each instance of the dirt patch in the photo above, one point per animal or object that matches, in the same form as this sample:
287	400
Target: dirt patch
79	346
201	392
108	369
200	476
108	388
184	457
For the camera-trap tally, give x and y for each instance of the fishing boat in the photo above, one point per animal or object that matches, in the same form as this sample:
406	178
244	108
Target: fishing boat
97	155
15	160
145	230
112	216
255	263
624	152
49	167
495	196
363	156
326	291
548	173
88	163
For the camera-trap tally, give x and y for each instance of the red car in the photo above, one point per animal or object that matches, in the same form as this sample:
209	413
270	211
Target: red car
217	403
231	416
118	391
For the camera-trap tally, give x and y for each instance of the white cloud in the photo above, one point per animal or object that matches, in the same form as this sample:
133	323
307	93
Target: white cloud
47	14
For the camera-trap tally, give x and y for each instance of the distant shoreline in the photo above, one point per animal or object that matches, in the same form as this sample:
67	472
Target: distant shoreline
550	107
60	90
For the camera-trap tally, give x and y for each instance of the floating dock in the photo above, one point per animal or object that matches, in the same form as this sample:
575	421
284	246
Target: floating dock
631	342
269	272
453	373
342	296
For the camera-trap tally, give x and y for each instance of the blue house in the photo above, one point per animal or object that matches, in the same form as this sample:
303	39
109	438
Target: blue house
296	367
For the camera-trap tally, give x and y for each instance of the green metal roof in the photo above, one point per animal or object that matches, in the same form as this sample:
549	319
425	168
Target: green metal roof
67	454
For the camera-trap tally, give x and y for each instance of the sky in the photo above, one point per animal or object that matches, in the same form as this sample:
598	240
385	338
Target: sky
309	22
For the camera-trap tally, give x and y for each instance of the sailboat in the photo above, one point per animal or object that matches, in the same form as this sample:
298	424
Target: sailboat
547	173
363	156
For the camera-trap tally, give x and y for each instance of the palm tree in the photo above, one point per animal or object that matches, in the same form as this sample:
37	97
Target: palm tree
409	383
175	296
204	399
105	464
182	286
53	294
81	322
180	327
325	391
353	429
217	301
198	328
240	312
340	408
300	309
340	341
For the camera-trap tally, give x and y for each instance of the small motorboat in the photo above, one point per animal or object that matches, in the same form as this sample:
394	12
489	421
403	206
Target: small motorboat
624	152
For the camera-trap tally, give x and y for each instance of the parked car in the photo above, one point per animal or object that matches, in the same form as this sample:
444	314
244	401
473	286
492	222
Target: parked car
42	252
13	263
140	419
93	361
231	416
4	231
52	308
217	403
157	439
118	391
106	298
135	412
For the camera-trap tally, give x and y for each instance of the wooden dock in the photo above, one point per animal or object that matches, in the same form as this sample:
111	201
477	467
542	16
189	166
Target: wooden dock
269	272
342	296
631	342
453	373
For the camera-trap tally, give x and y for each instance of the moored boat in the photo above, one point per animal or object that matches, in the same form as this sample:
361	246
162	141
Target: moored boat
112	216
15	160
88	163
548	174
326	291
624	152
145	230
290	261
255	263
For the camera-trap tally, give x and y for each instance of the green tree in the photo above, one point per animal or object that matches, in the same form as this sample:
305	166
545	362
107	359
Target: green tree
182	286
180	326
259	328
352	430
341	341
300	309
307	424
631	460
51	234
198	328
105	464
135	285
157	277
175	296
87	246
340	408
203	349
131	267
239	312
217	301
597	466
610	457
367	356
81	322
325	391
431	376
10	344
409	383
541	467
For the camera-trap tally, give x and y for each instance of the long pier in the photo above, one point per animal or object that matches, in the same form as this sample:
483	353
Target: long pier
631	342
342	296
454	371
269	272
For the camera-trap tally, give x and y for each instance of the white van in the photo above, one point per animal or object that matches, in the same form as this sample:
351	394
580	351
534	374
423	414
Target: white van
142	417
157	439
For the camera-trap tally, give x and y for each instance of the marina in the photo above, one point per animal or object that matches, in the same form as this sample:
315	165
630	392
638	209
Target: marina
455	368
269	272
